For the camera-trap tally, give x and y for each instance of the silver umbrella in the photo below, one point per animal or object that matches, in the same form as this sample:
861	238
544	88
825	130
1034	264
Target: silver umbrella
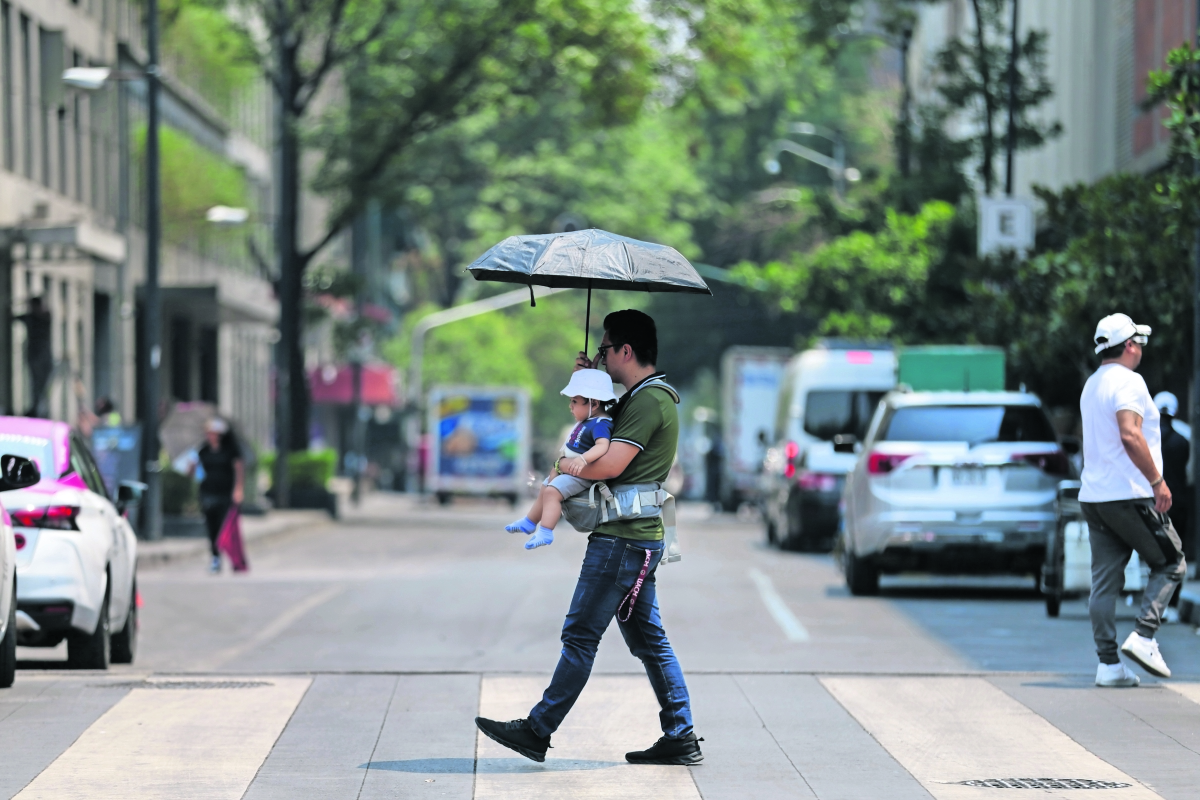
588	259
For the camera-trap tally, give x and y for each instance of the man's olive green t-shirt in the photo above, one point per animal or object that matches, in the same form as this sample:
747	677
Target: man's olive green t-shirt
650	422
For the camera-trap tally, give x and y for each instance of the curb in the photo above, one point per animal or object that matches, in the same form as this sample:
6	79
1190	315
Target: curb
171	550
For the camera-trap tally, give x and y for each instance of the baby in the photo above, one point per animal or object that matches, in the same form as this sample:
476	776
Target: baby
590	391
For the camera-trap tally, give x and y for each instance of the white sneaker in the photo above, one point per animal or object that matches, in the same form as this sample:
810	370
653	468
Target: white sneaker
1115	675
1145	652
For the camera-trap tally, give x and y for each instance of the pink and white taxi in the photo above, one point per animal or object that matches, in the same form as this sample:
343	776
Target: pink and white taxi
76	554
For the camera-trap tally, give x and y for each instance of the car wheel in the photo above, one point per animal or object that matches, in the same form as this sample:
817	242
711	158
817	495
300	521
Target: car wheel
124	642
8	647
91	650
862	576
793	536
443	498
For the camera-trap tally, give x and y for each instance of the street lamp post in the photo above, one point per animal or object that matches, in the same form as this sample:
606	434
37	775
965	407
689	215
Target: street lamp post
152	309
835	164
92	79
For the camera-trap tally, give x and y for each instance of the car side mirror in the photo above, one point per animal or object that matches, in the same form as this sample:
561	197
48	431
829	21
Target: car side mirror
844	443
129	493
17	472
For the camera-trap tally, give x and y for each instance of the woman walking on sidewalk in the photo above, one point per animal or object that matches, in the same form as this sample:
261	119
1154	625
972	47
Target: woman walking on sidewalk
224	480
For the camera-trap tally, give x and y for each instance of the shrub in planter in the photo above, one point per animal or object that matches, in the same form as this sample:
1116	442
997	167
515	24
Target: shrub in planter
178	494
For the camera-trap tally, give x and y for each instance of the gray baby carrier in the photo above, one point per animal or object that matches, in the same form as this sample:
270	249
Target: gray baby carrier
603	503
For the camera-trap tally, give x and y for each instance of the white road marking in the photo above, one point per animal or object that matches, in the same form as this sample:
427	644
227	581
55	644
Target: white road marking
186	744
272	628
948	730
614	714
792	627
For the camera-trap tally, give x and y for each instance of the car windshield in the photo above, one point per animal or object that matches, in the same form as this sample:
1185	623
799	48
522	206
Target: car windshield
972	424
829	413
38	450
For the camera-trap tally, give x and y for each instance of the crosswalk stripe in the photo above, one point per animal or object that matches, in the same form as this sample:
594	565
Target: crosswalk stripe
615	714
1189	690
182	743
947	731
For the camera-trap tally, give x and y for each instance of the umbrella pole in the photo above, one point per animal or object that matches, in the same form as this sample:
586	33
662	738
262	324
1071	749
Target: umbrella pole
587	324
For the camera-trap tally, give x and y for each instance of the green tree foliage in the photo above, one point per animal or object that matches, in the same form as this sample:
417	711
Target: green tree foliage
533	348
864	285
1116	245
207	50
194	179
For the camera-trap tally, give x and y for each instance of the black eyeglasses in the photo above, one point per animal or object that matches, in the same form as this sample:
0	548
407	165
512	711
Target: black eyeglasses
602	352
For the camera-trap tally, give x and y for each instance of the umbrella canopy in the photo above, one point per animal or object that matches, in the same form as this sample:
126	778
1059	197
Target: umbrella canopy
588	259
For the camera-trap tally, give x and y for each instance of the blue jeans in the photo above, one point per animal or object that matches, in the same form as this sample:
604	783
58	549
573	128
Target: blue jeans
610	569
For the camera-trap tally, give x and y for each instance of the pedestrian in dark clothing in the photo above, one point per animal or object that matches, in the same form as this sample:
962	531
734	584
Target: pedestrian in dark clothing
224	480
1176	452
38	353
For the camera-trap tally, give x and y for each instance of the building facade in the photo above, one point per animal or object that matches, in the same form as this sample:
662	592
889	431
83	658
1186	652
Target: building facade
71	192
1099	54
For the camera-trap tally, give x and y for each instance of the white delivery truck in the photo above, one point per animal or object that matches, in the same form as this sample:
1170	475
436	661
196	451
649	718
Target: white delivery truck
750	379
479	442
827	394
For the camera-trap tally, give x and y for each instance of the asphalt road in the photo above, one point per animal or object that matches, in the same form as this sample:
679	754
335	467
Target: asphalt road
350	660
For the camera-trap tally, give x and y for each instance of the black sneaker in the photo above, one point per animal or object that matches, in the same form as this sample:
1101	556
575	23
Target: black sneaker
515	735
669	751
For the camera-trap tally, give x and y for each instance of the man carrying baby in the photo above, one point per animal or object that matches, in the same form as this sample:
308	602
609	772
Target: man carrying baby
617	577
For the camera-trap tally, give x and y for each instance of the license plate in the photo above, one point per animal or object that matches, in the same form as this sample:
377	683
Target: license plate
970	477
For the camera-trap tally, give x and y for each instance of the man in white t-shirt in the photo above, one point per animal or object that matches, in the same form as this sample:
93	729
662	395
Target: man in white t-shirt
1125	500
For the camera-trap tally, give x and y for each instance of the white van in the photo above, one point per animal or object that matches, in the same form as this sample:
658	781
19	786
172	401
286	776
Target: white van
828	392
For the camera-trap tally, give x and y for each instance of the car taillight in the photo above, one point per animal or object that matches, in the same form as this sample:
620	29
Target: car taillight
20	537
883	463
57	517
790	451
1055	463
816	481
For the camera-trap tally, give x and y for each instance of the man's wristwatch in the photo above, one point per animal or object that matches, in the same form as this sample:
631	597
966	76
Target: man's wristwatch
1154	484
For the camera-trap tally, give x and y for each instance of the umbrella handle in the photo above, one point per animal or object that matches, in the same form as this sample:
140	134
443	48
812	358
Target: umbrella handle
587	324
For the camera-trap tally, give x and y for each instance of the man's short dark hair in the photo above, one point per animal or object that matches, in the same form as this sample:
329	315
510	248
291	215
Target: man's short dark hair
1112	352
633	328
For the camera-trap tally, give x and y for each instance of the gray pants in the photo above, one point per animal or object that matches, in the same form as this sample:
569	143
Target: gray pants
1117	529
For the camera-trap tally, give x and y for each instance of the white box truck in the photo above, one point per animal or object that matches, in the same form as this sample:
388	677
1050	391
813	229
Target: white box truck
479	442
750	380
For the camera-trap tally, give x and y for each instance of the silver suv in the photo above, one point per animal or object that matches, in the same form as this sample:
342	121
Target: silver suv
950	482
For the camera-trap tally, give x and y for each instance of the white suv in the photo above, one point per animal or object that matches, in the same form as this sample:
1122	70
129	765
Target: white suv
951	482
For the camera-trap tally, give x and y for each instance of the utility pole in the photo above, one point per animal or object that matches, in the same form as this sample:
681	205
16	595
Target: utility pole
904	150
287	184
1012	103
1195	415
152	310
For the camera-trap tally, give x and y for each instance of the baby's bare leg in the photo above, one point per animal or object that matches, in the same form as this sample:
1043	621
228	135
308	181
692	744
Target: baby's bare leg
551	502
535	510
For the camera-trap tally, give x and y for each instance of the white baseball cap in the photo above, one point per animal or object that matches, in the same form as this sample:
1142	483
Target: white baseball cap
1116	328
593	384
1167	403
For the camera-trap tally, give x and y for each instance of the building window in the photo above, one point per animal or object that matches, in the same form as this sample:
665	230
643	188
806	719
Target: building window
77	122
6	64
27	110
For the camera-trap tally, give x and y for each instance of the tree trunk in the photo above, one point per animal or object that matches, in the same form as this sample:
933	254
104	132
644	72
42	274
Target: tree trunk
289	381
985	79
